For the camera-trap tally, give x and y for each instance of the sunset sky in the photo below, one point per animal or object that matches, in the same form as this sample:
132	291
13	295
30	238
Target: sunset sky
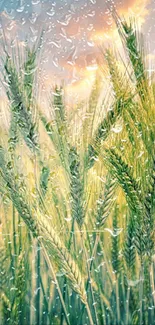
73	31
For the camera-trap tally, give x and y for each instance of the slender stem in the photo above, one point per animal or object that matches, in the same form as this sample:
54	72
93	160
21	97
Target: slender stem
45	299
152	282
56	282
89	278
141	294
89	314
117	301
103	316
127	305
38	285
64	298
14	246
65	280
152	289
102	308
94	251
20	235
14	229
90	268
71	234
9	247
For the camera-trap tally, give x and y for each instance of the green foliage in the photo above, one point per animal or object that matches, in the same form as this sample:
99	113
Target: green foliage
106	201
124	175
149	214
21	114
77	193
72	241
115	258
6	310
29	75
20	285
44	178
136	59
59	107
129	246
3	275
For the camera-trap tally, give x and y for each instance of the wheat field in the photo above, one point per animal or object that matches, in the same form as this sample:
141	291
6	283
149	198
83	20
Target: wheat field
77	195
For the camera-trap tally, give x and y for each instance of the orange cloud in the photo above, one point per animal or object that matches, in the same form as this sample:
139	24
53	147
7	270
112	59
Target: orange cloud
105	32
73	38
99	19
136	9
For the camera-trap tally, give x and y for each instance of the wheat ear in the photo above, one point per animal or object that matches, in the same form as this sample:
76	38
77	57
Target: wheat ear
65	261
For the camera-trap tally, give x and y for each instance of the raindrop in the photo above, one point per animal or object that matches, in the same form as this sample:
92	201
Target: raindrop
35	2
68	219
92	14
133	283
36	291
117	129
92	67
116	231
51	12
55	62
33	18
140	154
91	44
11	26
20	9
55	43
65	21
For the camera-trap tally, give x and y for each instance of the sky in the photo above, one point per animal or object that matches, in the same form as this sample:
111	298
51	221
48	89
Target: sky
73	31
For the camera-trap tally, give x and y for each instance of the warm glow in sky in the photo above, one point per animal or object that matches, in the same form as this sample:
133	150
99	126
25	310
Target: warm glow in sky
73	30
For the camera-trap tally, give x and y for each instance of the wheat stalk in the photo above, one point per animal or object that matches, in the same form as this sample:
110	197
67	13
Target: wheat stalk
104	129
123	173
65	261
21	113
3	276
106	201
76	187
41	229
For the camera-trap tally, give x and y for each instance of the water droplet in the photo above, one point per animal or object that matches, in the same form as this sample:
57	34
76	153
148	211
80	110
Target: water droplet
20	9
35	2
51	12
116	231
133	283
117	129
